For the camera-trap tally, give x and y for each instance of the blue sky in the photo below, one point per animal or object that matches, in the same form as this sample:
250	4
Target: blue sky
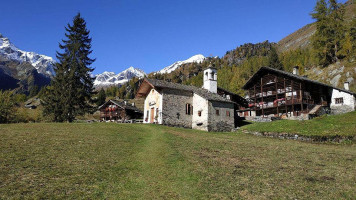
152	34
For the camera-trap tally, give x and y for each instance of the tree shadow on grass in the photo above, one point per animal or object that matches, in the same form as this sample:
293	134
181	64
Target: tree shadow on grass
241	122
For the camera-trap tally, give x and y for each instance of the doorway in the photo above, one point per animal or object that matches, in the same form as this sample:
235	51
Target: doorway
152	115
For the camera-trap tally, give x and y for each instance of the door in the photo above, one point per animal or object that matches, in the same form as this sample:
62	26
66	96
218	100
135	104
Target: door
152	115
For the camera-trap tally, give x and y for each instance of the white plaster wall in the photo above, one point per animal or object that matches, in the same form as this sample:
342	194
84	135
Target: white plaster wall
210	80
347	106
253	113
153	100
200	104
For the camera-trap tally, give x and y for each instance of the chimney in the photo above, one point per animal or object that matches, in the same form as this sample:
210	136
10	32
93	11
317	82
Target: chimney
296	70
346	85
210	79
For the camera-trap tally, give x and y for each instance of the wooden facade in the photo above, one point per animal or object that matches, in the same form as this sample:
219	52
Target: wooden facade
276	93
114	110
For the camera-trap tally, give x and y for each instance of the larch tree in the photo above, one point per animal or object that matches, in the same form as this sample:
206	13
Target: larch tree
273	60
71	90
330	31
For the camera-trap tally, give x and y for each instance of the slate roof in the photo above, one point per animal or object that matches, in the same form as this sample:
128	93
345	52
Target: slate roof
122	105
291	75
199	91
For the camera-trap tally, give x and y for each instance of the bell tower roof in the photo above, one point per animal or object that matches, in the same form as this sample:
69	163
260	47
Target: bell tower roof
211	66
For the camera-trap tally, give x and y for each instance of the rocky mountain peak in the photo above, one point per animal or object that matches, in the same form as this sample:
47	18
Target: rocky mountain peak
196	58
43	64
110	78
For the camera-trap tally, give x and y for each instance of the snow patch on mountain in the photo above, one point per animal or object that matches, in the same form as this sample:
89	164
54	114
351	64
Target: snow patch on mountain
110	78
197	59
43	64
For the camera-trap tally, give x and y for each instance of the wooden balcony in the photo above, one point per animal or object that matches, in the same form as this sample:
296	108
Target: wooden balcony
287	102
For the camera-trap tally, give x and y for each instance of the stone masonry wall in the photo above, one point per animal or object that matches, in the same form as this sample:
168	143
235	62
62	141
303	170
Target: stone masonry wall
221	122
173	108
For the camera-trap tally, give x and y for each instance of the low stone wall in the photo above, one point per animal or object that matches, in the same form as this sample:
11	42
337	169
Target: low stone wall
221	122
336	138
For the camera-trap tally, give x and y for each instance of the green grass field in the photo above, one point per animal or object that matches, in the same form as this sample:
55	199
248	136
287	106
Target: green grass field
135	161
342	125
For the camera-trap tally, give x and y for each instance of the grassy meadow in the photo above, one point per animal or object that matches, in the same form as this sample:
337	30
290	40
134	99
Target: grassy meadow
136	161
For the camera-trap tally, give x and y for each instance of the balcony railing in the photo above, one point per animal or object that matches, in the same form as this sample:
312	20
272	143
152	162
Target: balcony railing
280	103
109	114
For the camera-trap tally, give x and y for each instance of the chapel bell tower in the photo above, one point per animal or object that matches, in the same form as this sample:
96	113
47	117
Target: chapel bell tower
210	79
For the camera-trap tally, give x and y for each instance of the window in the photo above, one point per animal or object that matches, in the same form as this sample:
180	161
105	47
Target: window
212	76
199	113
339	100
228	113
188	109
217	112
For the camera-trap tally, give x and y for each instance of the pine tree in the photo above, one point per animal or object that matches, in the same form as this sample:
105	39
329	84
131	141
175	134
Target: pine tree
101	97
71	90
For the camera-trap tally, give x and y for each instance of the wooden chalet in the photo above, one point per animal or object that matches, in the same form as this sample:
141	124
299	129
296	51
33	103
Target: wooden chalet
113	110
272	92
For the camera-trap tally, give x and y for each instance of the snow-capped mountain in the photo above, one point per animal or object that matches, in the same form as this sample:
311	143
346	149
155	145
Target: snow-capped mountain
110	78
197	59
43	64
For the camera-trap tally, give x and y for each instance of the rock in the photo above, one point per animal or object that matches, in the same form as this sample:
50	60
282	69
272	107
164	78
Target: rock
350	80
335	81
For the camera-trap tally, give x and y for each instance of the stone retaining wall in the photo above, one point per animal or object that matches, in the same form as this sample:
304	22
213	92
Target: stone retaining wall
337	138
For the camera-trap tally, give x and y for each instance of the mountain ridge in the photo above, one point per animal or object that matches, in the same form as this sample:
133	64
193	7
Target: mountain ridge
42	63
198	58
110	78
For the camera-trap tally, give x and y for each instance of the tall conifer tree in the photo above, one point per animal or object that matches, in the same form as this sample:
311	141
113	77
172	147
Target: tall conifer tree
71	90
101	97
330	30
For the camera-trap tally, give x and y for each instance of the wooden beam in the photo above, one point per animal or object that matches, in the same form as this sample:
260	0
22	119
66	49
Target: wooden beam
262	97
292	84
301	95
285	96
276	79
254	89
